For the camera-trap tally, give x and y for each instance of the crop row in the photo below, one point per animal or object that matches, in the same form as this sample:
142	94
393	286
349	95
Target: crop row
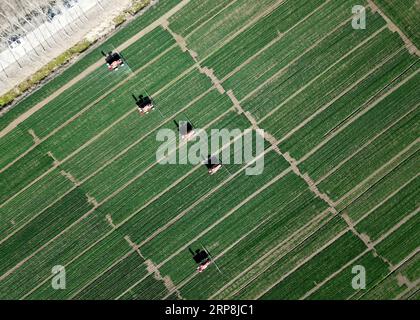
378	191
378	82
265	223
118	38
44	227
357	134
60	251
313	64
265	30
214	32
281	53
329	85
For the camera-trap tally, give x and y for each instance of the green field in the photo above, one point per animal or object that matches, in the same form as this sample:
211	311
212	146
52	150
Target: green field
80	185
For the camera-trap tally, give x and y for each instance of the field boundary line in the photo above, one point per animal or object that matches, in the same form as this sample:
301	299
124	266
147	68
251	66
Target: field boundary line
91	68
378	171
341	95
241	238
388	197
221	219
97	276
392	268
333	275
90	105
274	41
137	211
325	71
366	144
278	247
351	120
394	28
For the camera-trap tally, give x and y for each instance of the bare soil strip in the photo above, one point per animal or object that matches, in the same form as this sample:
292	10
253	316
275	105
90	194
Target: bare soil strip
275	40
342	94
96	277
152	268
364	146
394	28
91	68
412	288
278	252
333	275
220	255
34	137
377	171
357	116
386	199
361	44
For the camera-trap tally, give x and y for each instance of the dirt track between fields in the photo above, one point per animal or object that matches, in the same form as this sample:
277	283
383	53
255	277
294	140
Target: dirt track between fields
91	68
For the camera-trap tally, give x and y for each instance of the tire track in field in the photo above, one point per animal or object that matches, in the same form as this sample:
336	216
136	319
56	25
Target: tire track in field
92	68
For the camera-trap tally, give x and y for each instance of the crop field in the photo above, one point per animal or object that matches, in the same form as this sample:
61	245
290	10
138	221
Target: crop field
81	187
